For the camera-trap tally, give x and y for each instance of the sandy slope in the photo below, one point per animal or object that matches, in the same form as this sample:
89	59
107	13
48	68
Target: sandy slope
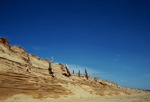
122	98
25	78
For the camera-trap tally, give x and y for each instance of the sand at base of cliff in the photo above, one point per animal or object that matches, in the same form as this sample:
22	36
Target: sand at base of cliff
122	98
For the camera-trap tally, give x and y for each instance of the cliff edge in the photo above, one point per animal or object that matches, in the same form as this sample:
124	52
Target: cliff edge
27	74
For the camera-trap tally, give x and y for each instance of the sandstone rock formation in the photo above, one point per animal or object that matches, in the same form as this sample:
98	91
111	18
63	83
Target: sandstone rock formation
24	73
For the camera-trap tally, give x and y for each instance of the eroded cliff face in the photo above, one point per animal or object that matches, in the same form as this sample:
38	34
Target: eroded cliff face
23	73
18	54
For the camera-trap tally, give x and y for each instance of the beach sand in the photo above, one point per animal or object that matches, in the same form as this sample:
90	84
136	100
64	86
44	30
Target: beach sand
121	98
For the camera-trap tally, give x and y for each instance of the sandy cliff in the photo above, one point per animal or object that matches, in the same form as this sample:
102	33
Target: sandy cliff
27	74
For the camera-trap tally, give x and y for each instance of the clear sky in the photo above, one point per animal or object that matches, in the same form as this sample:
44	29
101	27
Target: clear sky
111	38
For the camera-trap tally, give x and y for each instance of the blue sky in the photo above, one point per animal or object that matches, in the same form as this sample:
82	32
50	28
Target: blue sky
111	38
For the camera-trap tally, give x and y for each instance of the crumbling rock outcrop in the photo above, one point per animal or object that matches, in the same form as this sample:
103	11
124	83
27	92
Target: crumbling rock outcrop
19	50
24	73
18	54
4	42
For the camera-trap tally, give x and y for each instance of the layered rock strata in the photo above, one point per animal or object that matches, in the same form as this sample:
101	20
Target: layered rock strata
23	73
